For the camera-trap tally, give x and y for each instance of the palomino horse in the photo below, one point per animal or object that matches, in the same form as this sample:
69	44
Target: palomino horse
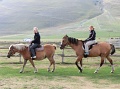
102	49
47	52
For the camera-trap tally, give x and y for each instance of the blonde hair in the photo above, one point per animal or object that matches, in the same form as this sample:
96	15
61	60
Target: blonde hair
35	29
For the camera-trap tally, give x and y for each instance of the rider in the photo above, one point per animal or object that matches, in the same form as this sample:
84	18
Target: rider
90	40
35	43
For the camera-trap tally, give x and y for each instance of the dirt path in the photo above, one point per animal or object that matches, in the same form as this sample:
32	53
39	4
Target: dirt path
54	83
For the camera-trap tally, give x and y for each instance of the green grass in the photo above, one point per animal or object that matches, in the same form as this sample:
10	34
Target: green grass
101	35
104	73
66	73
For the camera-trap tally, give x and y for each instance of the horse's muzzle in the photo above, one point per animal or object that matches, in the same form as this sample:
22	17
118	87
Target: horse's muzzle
61	47
8	56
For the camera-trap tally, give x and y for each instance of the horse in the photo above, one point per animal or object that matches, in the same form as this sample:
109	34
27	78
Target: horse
102	49
48	51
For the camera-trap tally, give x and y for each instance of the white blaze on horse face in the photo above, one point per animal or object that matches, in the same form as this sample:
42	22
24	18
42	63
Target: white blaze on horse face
61	42
10	46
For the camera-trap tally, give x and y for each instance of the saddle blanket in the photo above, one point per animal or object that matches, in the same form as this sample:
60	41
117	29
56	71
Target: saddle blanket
40	48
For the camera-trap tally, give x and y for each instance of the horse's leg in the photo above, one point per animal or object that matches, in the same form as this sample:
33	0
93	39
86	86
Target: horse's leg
35	69
25	61
111	62
102	62
51	62
53	65
79	67
49	67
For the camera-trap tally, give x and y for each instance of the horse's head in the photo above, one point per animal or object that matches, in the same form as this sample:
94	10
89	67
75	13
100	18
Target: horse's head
64	42
11	51
16	48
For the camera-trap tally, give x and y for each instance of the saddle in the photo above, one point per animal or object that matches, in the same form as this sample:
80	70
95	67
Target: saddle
39	48
90	47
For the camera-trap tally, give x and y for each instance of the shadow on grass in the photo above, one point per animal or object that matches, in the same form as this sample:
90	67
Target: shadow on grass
65	63
12	63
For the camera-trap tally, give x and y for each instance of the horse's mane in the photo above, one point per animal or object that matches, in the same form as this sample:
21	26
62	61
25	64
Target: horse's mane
73	40
19	46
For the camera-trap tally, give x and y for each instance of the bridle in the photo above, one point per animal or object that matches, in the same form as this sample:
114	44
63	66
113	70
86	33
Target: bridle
63	45
11	51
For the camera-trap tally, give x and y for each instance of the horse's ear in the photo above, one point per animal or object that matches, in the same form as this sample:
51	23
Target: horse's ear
26	46
11	46
66	35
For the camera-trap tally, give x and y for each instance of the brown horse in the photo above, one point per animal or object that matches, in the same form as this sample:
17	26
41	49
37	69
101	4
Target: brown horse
47	52
102	49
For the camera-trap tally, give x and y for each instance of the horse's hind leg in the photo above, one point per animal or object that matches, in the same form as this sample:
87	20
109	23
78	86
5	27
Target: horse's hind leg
111	62
52	62
102	62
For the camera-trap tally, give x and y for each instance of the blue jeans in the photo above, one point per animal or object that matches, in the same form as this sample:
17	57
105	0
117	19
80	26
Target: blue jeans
32	49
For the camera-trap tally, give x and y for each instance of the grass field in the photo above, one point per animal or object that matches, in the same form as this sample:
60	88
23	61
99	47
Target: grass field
66	75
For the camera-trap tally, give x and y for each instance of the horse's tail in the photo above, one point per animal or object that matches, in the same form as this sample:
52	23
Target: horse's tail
112	49
55	46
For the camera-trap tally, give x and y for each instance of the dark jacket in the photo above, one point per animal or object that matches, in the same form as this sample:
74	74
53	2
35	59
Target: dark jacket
36	39
92	36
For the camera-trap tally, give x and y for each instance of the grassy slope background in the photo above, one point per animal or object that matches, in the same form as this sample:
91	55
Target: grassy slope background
51	17
106	24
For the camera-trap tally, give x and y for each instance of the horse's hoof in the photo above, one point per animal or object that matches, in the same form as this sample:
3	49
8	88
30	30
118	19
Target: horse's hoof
21	71
80	71
48	69
35	71
52	71
111	72
95	72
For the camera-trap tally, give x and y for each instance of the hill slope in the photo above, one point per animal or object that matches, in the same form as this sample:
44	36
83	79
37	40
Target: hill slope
20	16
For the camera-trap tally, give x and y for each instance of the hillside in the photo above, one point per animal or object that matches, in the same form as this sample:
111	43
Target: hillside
20	16
109	21
107	25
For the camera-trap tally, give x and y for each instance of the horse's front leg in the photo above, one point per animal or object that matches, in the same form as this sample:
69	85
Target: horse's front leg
25	61
35	69
79	59
102	62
